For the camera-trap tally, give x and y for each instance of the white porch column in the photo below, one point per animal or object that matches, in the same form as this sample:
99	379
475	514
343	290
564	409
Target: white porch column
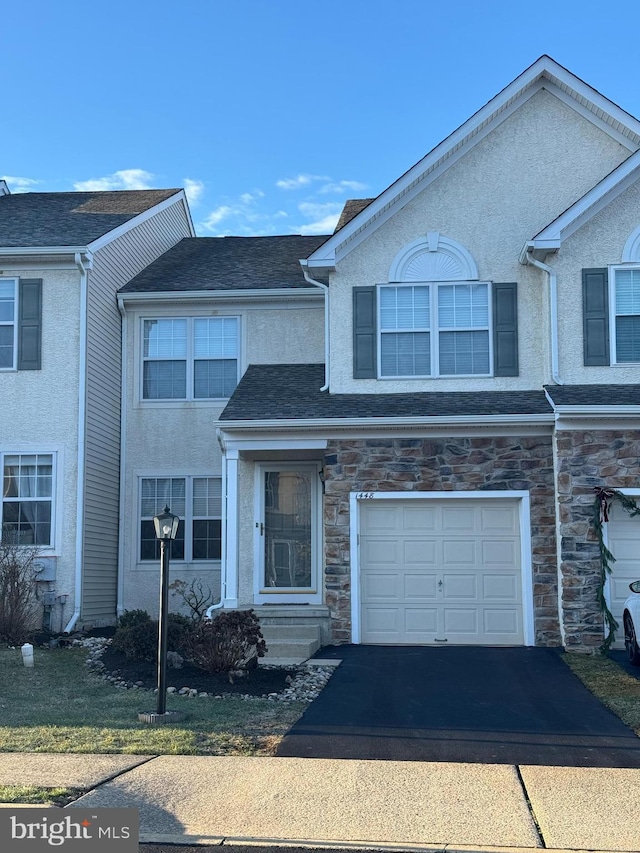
230	530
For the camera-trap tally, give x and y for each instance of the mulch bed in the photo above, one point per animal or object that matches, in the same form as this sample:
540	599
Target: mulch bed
257	682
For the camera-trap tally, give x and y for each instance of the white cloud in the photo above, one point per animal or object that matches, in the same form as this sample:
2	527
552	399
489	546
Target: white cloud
126	179
19	185
299	182
342	186
248	198
193	190
216	216
324	215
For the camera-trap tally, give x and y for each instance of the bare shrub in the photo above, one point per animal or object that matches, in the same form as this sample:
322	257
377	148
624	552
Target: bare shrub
18	592
197	596
232	641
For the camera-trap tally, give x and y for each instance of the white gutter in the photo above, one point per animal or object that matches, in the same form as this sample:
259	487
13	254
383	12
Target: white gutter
124	403
44	250
223	562
174	296
528	258
302	425
307	277
83	266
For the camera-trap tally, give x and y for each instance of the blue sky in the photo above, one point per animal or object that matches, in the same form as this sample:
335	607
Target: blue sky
272	112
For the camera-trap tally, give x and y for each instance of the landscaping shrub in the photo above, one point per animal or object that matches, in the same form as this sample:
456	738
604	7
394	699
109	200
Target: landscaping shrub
18	596
133	617
231	641
137	635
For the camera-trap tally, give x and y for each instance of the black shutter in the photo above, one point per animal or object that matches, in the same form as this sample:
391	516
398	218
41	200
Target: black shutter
595	316
505	329
29	323
364	333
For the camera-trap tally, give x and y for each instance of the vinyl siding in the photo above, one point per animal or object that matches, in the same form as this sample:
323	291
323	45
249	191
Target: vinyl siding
114	265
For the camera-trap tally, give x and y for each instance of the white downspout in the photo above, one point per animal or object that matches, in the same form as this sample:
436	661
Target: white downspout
223	562
124	404
83	267
553	312
325	287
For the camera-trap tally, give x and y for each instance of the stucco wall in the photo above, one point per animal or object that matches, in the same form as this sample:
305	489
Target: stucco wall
40	412
597	244
498	195
453	464
280	333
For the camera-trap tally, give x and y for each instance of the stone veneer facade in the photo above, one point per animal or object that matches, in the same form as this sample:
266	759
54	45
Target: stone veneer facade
586	459
441	464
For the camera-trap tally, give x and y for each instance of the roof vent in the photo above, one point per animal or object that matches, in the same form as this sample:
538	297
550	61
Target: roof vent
4	189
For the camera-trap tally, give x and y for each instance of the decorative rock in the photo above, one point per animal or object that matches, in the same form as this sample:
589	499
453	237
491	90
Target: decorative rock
171	689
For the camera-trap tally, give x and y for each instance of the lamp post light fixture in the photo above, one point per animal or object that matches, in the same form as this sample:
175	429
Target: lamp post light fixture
166	525
166	528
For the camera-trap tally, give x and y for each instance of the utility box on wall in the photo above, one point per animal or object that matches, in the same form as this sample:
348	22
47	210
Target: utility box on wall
45	568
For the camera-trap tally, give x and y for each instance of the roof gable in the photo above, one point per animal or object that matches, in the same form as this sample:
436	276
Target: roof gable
37	220
545	73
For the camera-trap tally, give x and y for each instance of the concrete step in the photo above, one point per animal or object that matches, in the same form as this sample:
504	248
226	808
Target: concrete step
294	650
277	631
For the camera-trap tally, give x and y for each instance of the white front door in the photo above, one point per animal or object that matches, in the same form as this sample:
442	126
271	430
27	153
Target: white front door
441	571
287	534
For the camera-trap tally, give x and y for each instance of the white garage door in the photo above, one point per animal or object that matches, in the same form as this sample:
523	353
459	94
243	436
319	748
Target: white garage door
441	571
623	538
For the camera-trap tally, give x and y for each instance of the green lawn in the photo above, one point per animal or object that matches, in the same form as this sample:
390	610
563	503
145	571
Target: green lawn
615	688
38	796
59	707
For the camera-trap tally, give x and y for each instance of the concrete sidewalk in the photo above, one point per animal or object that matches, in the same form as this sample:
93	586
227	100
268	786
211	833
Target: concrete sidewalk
328	802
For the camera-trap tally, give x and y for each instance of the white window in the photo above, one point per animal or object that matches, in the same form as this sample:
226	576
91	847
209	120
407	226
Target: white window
190	358
8	304
434	330
197	501
27	498
626	315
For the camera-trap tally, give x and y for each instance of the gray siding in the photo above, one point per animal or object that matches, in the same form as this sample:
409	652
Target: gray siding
114	265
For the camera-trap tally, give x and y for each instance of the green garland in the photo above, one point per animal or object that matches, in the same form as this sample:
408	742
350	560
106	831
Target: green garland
601	507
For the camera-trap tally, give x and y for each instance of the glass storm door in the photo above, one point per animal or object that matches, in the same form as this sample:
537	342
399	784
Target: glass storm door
287	534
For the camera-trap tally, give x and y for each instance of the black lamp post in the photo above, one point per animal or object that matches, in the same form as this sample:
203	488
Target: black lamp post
166	526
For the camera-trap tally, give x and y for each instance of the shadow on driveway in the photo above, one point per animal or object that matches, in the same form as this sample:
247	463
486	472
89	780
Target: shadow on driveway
461	704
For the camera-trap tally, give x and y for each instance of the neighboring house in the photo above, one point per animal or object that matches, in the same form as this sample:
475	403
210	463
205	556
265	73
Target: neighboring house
63	256
388	435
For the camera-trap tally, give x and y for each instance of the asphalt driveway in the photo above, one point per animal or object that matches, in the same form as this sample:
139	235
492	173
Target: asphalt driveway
459	704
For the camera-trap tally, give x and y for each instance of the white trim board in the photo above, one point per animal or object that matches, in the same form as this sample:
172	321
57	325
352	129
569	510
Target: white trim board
526	564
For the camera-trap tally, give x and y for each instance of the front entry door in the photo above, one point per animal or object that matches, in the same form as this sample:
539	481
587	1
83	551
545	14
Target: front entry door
287	534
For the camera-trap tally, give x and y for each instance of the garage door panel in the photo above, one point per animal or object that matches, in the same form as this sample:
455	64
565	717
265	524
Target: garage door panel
381	586
442	570
417	551
459	551
422	620
499	520
458	518
459	586
504	587
461	621
499	552
418	518
501	622
380	552
420	586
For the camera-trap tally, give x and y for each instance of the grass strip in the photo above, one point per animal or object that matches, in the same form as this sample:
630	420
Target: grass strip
614	687
58	706
38	796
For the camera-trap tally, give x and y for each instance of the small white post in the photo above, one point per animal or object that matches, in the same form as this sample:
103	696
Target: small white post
27	654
